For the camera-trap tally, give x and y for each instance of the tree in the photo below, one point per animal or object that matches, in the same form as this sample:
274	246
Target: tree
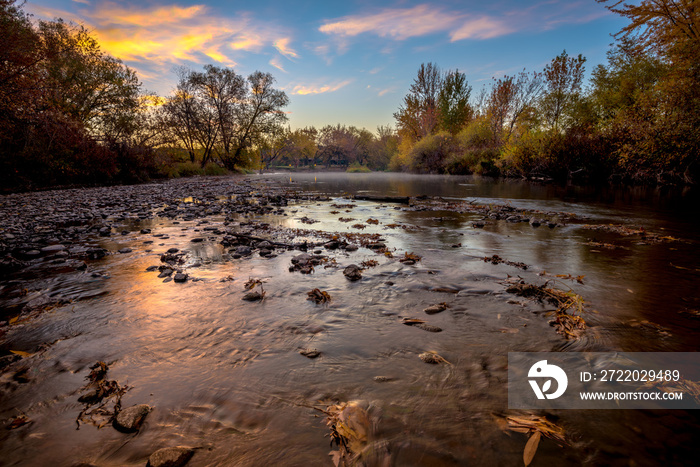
383	147
669	112
182	113
510	97
453	102
273	146
418	116
258	113
85	84
221	90
303	147
563	77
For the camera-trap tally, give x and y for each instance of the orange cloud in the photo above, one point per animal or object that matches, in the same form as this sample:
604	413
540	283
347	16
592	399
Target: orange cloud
282	45
108	12
168	34
303	90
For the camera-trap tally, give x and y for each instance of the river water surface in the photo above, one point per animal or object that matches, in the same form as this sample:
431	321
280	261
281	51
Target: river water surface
225	375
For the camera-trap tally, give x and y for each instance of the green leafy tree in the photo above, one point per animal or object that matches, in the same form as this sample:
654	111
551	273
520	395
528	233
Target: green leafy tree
563	78
453	102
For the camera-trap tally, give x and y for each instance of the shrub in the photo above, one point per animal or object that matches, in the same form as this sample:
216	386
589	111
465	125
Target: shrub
356	167
430	154
187	169
213	168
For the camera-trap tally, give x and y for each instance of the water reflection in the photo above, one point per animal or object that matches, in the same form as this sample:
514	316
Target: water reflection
226	375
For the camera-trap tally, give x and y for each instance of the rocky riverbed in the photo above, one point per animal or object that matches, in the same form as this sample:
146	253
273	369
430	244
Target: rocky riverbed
245	319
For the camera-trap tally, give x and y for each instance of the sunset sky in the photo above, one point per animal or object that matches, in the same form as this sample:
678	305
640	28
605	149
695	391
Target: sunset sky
347	62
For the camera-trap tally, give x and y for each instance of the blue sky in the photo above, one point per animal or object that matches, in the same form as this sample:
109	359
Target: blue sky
345	62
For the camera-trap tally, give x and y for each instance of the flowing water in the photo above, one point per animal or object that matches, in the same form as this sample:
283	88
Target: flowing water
225	375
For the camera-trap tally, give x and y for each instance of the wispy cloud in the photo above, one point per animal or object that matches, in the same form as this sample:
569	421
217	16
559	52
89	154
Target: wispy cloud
481	28
398	23
84	2
304	89
386	91
282	46
277	63
421	20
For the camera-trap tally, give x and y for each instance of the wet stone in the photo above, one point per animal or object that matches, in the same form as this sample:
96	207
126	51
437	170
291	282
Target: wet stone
53	248
427	327
170	457
253	296
172	251
131	418
244	250
145	231
353	272
125	250
433	309
310	353
165	273
180	277
383	379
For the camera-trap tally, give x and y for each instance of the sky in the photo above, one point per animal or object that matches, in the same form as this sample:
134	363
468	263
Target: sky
348	62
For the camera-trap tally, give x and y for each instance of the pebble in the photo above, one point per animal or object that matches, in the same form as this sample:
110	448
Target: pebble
310	353
252	296
170	457
53	248
180	277
433	309
353	272
131	418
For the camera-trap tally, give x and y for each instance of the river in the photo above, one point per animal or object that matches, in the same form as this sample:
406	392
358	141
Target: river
225	375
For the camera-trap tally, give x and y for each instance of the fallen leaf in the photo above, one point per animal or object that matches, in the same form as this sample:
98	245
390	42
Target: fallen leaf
21	353
531	447
18	421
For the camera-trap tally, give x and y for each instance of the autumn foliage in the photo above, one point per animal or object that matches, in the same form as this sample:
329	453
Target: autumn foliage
636	121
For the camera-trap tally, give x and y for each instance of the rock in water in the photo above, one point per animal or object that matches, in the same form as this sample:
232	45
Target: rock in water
170	457
131	418
433	309
180	277
353	272
253	296
310	353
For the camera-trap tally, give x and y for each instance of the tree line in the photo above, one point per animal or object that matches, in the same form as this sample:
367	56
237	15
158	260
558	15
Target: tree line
636	120
71	113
